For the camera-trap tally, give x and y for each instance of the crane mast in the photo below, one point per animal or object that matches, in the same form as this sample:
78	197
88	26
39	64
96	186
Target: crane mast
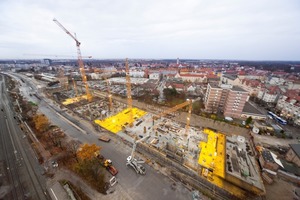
129	99
80	62
109	94
188	119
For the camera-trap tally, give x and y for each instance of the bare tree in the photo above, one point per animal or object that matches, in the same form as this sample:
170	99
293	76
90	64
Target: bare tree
72	147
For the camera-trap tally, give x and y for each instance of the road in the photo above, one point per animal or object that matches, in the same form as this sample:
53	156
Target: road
19	166
153	185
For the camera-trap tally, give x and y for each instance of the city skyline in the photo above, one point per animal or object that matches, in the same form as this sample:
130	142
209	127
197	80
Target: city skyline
231	30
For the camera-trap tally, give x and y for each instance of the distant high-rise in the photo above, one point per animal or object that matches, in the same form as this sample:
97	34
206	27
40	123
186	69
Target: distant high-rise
177	61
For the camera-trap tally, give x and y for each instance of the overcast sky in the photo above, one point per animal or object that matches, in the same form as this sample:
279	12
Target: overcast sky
195	29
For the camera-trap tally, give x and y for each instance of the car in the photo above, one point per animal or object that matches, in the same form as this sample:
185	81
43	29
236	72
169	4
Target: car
54	164
104	139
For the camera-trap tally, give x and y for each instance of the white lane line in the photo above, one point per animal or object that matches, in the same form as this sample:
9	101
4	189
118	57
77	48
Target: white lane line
53	194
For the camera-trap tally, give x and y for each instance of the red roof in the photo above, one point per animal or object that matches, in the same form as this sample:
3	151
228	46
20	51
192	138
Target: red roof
279	73
212	76
193	75
293	94
274	90
252	83
241	73
175	85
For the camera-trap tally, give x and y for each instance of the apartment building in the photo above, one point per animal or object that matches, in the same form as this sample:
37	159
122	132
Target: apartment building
225	98
269	94
230	79
213	98
235	102
289	105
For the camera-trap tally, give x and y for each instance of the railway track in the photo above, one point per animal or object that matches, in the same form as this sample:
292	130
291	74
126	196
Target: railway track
18	159
11	162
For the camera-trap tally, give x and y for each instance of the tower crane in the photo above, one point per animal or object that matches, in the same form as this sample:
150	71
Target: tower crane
80	62
75	87
173	109
129	99
109	94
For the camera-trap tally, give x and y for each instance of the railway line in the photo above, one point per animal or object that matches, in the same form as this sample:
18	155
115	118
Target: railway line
21	174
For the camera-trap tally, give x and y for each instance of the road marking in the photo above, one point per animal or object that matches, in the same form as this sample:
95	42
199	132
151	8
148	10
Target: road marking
53	194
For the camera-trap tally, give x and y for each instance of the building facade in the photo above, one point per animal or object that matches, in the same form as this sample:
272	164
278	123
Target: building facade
213	98
235	102
225	98
289	106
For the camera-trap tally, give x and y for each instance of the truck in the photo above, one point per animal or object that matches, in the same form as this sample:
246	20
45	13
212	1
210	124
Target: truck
108	165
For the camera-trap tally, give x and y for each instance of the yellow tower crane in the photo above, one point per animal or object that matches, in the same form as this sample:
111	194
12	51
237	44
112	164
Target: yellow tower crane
129	99
175	108
80	62
75	87
109	94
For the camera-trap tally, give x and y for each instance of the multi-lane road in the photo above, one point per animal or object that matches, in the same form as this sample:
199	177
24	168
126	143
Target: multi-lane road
20	172
154	185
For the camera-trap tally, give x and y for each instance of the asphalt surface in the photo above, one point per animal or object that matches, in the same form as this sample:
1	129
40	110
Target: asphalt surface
153	185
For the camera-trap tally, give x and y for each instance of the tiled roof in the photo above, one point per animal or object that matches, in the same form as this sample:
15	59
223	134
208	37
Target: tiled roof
252	83
193	75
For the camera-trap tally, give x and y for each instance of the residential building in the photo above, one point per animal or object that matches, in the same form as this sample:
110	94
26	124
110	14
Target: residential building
235	102
225	98
251	85
192	77
178	86
136	73
230	79
289	105
269	94
154	76
255	75
213	98
293	155
212	78
276	81
293	84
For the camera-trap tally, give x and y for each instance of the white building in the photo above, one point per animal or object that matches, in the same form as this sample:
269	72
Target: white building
269	94
230	79
137	73
200	78
154	76
289	104
276	81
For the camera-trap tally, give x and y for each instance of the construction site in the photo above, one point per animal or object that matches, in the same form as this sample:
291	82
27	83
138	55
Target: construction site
228	162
